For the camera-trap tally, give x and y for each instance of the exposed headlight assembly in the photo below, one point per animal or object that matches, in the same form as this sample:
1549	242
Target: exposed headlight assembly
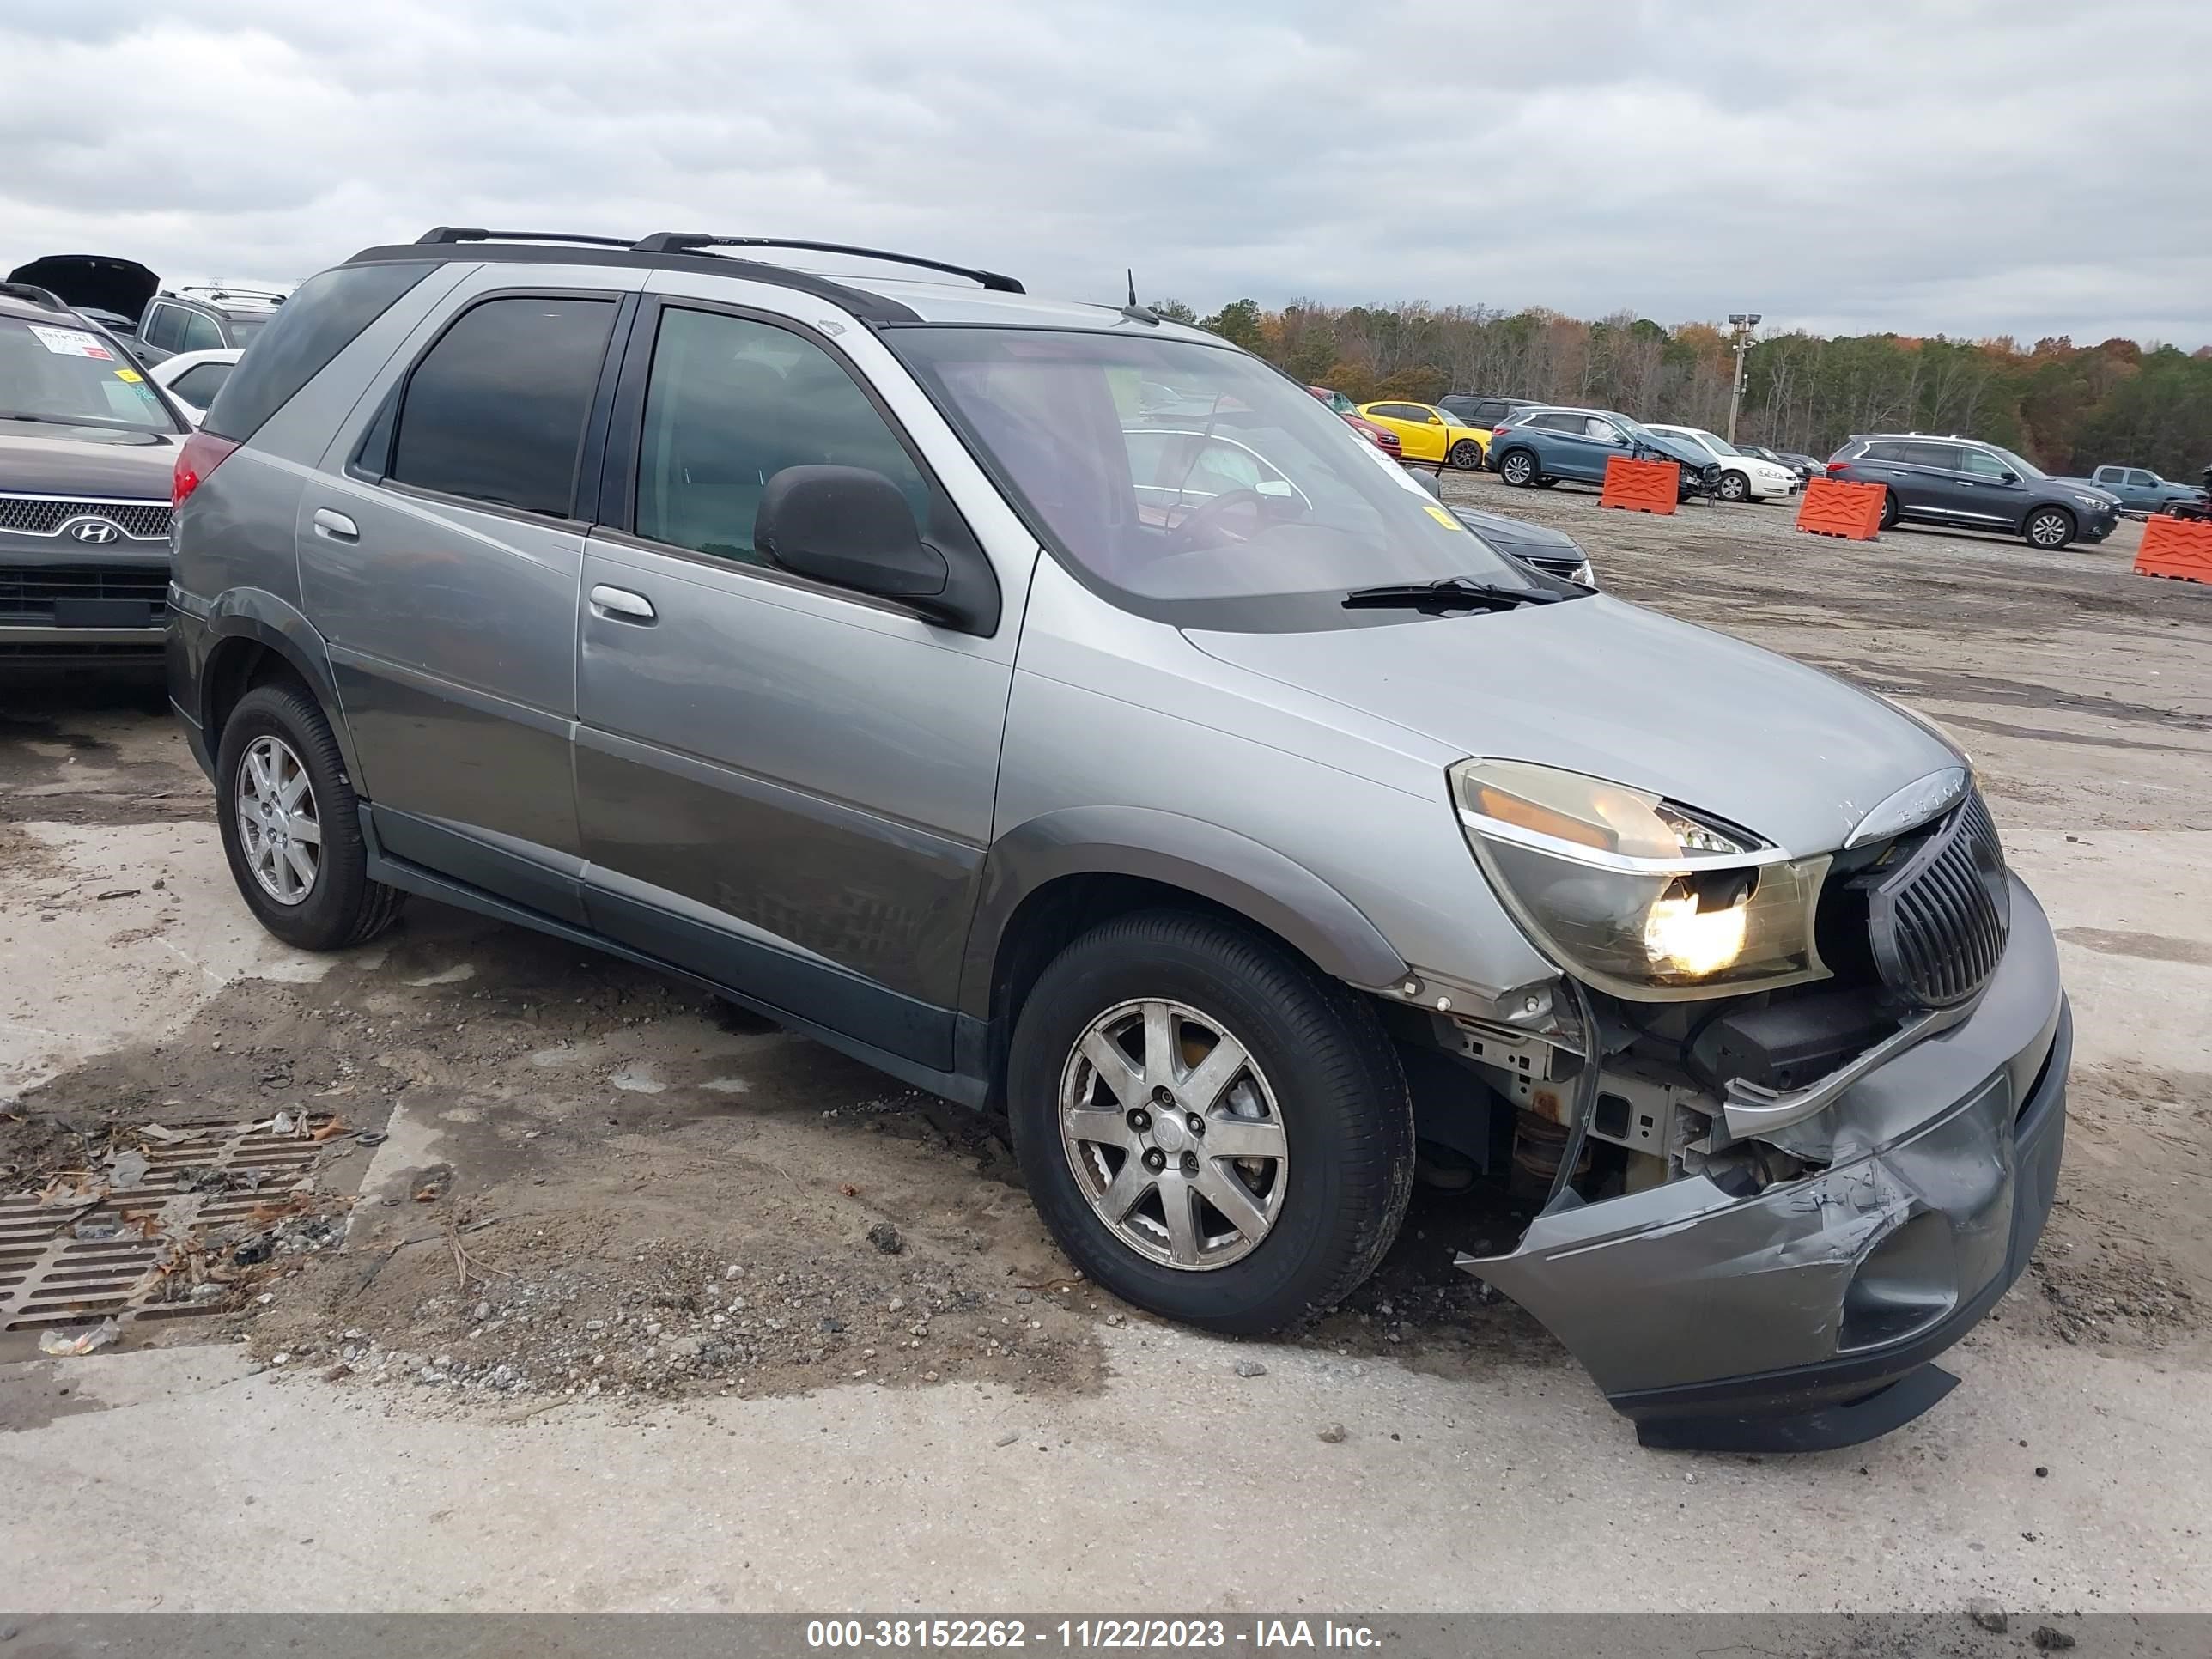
1635	894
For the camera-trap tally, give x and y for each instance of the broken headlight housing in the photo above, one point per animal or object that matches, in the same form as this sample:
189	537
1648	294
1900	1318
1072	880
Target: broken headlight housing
1635	894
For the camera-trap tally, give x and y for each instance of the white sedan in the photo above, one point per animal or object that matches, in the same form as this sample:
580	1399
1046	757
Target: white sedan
193	378
1743	478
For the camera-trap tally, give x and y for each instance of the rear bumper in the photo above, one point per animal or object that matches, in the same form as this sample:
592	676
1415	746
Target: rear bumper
1804	1315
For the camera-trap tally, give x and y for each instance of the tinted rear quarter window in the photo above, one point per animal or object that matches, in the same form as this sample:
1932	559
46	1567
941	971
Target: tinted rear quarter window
315	325
495	410
197	386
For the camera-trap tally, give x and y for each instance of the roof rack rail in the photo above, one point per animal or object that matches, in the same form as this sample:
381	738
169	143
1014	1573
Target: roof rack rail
45	298
675	241
230	291
450	233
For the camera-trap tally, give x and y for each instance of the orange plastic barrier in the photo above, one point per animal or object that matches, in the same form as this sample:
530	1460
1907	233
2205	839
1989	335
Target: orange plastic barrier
1834	508
1641	486
2179	548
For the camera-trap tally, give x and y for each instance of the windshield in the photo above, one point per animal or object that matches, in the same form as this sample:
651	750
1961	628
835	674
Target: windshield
1248	505
2026	469
1718	445
72	377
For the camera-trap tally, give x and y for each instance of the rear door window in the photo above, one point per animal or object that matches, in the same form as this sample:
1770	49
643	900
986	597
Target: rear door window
162	327
1945	456
315	325
198	331
495	410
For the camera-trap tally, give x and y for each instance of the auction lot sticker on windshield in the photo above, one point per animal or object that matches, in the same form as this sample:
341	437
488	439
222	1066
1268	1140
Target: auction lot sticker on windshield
71	342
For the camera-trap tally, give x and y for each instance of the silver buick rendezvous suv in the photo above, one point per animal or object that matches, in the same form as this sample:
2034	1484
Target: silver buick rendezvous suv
1169	774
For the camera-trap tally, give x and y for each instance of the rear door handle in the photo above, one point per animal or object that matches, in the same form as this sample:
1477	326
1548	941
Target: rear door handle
336	526
620	604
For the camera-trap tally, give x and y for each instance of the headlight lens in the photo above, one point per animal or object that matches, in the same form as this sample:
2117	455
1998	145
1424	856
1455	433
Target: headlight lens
1633	893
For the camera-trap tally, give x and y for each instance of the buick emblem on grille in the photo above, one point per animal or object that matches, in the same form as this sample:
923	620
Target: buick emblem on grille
94	529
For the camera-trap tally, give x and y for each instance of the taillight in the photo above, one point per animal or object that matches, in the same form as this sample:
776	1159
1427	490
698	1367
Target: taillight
203	453
1835	467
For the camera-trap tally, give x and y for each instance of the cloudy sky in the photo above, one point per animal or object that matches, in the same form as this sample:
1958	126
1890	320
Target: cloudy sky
2031	168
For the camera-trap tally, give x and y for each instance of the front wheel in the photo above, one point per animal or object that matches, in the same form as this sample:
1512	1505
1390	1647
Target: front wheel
1466	455
2049	528
1734	486
1517	467
1212	1130
291	824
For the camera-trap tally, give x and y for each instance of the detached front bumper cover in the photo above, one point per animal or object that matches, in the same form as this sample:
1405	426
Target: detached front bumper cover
1804	1317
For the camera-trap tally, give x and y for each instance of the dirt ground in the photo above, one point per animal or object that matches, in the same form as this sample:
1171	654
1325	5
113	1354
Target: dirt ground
553	1179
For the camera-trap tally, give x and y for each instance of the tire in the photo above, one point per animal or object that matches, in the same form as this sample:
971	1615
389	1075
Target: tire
1318	1079
2049	528
1733	487
1890	509
1546	483
1517	467
1466	455
280	728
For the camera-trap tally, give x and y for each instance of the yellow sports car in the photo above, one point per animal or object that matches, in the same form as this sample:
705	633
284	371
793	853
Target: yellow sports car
1431	434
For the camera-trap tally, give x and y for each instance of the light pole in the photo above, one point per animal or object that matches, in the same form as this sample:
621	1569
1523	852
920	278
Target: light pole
1742	322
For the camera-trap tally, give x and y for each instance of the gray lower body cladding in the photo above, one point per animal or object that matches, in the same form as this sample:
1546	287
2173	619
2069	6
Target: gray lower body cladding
1804	1316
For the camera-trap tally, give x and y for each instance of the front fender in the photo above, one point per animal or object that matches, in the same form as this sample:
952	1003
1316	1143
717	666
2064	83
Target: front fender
1233	870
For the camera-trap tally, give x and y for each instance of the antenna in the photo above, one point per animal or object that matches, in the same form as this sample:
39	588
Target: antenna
1133	311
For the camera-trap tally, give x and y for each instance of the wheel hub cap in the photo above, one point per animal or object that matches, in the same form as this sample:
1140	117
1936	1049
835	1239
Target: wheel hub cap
1171	1132
278	828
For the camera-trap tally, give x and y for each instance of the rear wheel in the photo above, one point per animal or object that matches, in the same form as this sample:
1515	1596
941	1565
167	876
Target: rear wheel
1734	486
1211	1129
1889	509
1517	467
1466	455
2049	528
291	825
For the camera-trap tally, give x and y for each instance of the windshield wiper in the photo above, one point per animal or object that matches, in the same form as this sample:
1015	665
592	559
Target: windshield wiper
1452	593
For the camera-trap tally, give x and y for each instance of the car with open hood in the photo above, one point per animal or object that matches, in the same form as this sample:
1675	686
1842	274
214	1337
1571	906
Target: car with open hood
1167	775
87	448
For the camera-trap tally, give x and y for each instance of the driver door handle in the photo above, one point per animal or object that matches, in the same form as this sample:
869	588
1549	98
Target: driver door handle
336	526
620	603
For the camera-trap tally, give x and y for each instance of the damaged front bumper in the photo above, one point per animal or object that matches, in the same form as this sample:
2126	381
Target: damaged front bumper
1804	1316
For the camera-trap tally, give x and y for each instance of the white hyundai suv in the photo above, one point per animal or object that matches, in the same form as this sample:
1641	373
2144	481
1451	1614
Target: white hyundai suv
1743	478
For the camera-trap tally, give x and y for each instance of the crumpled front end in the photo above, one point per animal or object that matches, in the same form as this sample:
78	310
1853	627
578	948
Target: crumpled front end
1803	1315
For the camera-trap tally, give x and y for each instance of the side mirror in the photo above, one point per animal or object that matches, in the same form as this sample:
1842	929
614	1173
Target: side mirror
2010	476
848	526
1436	420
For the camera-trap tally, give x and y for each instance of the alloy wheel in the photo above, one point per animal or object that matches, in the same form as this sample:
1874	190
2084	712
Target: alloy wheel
1733	487
2048	530
1518	469
277	824
1172	1133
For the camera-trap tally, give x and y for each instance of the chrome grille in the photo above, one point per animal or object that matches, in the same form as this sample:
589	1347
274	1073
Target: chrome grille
1938	924
39	516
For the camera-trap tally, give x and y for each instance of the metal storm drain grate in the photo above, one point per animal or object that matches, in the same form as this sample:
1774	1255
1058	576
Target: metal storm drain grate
101	1251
